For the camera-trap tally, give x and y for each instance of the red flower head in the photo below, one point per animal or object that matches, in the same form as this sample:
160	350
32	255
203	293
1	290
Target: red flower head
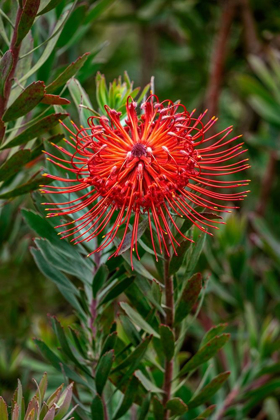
159	164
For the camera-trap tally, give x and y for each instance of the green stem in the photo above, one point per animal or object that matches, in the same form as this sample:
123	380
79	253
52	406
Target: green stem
169	319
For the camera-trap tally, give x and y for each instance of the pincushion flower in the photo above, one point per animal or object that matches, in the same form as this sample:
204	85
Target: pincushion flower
158	163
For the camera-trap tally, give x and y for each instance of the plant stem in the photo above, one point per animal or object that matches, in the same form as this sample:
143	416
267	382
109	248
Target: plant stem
169	318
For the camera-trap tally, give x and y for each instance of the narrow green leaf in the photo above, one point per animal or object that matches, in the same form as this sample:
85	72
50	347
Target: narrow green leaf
145	406
176	406
26	101
188	297
55	275
66	399
136	356
42	387
35	130
205	353
218	329
177	260
12	165
137	319
196	250
99	279
118	289
59	364
109	343
103	370
167	341
3	409
80	97
51	5
63	263
97	411
130	330
66	288
6	63
209	390
50	45
128	398
127	241
206	413
31	185
147	384
158	409
97	9
30	10
60	333
69	72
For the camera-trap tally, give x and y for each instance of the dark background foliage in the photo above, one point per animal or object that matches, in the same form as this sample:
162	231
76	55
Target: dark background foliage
201	53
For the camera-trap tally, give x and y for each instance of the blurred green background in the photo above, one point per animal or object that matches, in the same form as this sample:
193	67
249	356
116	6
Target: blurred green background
220	55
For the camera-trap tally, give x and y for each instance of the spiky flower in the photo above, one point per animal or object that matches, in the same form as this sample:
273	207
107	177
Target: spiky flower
158	163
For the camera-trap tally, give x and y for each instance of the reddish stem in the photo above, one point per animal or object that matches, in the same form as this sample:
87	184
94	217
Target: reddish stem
14	48
219	56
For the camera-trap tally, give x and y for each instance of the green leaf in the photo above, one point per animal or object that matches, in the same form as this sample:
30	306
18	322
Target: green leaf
130	330
206	413
97	9
54	100
127	240
31	185
42	387
58	363
60	333
118	289
128	398
262	72
62	262
218	329
66	288
188	297
144	409
69	72
51	5
209	390
268	112
109	343
54	275
99	279
137	319
147	384
103	370
3	409
176	406
30	10
177	260
97	411
205	353
167	340
6	64
194	255
26	101
66	398
35	130
12	165
50	46
44	229
80	97
136	356
158	409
